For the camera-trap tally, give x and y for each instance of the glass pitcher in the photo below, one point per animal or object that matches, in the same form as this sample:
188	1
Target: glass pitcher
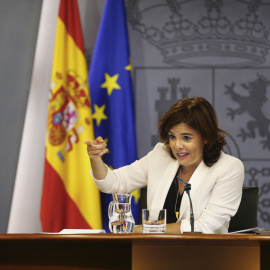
120	216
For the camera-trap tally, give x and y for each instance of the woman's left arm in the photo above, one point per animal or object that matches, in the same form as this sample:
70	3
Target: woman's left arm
224	199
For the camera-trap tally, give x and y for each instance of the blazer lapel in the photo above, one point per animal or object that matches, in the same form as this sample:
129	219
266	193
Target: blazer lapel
164	185
196	181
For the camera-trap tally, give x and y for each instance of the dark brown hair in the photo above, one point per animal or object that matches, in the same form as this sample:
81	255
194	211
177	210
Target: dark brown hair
197	113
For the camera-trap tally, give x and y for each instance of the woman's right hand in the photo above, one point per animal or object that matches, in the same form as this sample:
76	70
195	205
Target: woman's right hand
96	148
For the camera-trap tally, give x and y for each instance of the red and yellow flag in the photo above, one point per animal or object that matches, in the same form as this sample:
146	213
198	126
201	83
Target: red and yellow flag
70	199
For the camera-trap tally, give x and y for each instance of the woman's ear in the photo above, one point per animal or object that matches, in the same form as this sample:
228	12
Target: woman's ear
205	141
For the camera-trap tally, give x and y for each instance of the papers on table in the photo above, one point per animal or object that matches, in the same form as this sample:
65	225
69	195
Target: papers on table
81	231
253	230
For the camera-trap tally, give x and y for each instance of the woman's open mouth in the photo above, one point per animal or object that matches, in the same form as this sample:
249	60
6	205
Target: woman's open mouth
182	155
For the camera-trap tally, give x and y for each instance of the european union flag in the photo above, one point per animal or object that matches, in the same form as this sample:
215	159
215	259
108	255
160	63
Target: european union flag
112	97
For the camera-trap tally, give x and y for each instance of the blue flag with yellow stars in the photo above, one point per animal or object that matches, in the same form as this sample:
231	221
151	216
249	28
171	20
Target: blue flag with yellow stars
112	97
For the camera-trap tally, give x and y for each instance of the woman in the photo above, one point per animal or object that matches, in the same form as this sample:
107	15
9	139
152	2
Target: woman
190	148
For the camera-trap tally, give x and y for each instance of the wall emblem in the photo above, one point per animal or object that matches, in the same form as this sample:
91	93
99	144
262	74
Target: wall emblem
252	103
212	37
168	96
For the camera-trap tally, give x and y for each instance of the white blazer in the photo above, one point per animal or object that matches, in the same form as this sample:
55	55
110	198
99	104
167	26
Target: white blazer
215	191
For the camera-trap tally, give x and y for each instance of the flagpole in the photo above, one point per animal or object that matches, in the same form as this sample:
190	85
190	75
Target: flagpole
25	207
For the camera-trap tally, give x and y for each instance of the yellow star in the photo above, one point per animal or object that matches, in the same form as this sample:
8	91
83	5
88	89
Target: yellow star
129	67
136	194
111	83
99	114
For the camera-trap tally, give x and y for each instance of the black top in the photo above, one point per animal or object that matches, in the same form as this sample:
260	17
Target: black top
170	203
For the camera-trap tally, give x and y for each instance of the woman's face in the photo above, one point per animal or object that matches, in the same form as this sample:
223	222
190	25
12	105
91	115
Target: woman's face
187	146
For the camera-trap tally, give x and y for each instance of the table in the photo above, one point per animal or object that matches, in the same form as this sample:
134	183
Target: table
134	251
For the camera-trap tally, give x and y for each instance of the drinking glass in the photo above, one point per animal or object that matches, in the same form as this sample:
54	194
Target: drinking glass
154	220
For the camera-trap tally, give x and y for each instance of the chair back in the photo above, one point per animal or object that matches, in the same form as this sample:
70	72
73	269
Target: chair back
143	203
246	216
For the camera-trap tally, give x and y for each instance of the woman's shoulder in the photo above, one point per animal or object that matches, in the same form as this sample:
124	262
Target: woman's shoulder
159	151
227	160
227	157
160	147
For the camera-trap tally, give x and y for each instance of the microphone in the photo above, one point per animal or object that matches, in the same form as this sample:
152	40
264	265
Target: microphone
187	189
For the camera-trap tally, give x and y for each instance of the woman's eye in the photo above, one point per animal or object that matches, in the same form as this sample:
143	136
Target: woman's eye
187	138
171	137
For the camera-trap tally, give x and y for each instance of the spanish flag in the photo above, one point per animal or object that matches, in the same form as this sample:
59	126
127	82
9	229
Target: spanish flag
70	199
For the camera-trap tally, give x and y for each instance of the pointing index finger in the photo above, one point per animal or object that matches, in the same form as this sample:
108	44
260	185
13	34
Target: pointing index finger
89	142
99	139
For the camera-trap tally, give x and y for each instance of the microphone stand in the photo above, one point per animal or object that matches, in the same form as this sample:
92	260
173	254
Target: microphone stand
187	189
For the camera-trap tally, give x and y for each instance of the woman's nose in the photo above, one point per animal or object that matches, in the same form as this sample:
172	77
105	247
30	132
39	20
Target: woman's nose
179	144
